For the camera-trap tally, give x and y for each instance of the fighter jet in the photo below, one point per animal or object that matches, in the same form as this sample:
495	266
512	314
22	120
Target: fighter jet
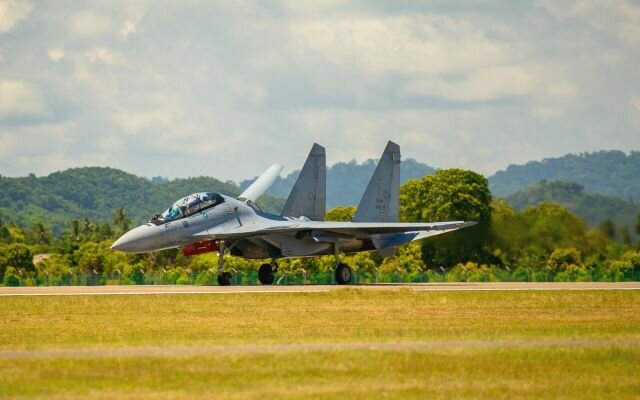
206	221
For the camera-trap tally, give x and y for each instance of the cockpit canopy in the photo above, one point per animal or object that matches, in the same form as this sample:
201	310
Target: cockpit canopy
189	205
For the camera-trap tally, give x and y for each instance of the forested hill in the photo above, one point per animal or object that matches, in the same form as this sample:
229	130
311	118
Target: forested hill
611	173
593	208
346	181
96	193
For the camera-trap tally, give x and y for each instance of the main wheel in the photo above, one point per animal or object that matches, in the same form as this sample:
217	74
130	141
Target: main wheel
343	274
265	274
224	279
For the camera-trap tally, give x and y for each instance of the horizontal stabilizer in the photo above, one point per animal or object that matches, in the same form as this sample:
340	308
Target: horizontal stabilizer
385	240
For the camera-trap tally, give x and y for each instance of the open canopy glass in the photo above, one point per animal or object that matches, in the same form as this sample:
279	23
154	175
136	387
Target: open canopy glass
191	204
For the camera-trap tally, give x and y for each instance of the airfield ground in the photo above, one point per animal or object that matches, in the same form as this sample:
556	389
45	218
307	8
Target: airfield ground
390	342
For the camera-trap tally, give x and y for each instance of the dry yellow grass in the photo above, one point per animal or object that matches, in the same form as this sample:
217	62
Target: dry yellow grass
602	319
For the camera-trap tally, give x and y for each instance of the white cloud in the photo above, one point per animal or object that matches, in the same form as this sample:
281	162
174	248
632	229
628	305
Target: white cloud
134	122
481	84
55	54
18	99
105	56
12	12
420	45
617	17
128	28
89	24
455	87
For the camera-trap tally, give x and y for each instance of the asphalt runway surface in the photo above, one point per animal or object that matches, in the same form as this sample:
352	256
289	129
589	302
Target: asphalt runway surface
188	289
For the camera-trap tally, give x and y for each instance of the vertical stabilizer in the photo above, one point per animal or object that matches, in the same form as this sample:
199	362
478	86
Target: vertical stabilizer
380	200
308	196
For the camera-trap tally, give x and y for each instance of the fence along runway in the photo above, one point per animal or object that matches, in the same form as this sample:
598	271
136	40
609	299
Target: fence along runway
188	289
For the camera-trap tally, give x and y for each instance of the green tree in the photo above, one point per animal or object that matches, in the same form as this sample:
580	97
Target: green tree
625	235
90	257
11	277
638	225
121	221
450	195
75	230
39	234
16	255
564	258
5	235
340	214
608	229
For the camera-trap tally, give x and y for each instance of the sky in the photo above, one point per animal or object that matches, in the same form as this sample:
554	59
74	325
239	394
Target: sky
224	89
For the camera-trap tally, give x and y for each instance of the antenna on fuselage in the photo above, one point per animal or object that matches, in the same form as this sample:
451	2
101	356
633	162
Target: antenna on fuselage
261	185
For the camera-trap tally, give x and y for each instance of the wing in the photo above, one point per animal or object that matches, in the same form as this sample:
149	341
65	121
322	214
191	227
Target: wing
353	230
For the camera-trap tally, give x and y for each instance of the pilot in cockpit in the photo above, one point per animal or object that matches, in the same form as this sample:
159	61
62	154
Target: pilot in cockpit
172	213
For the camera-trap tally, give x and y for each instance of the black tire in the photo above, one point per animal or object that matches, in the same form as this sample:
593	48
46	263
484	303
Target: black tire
343	274
265	274
224	279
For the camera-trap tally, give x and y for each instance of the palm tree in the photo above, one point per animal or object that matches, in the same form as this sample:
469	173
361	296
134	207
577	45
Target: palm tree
121	221
40	234
75	230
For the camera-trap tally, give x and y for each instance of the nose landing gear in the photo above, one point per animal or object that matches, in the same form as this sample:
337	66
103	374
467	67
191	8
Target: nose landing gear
224	278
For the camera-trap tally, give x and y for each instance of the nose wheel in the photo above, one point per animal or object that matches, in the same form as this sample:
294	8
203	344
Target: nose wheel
224	279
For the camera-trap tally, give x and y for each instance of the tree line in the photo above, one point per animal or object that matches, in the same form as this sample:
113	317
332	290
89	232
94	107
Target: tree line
539	243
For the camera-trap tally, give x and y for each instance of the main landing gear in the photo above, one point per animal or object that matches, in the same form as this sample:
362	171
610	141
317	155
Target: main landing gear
266	273
343	271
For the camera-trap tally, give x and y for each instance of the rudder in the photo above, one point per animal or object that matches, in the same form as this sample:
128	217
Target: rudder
308	196
381	198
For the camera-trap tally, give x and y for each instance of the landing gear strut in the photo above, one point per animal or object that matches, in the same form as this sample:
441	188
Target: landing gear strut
343	271
266	273
224	278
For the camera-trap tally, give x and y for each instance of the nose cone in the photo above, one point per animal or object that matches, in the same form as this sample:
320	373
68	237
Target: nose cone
139	240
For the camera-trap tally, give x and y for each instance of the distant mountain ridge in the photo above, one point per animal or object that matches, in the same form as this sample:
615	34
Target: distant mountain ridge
610	173
96	193
346	181
592	207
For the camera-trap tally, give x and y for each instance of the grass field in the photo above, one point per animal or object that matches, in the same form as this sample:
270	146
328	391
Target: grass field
553	344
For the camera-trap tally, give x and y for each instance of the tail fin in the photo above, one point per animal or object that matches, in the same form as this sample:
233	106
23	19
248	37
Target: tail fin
380	200
308	196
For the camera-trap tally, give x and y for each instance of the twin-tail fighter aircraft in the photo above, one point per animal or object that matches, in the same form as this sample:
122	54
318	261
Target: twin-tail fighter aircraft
206	221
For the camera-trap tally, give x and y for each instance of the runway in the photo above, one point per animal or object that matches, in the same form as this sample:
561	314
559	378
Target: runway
188	289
